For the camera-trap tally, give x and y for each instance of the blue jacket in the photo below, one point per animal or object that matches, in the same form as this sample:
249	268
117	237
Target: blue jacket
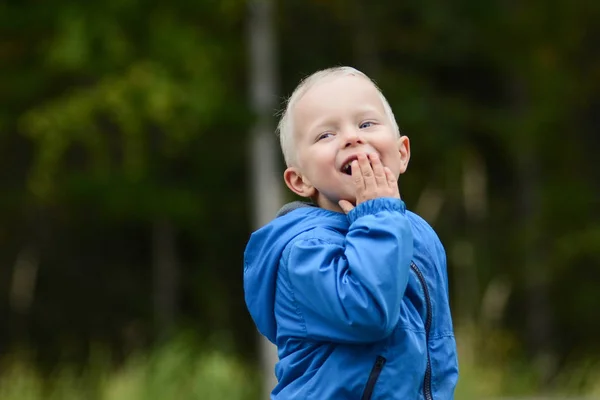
357	304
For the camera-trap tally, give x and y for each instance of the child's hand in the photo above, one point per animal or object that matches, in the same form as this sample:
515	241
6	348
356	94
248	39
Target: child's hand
371	180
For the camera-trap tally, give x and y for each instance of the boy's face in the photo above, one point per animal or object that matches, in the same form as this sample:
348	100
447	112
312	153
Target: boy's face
334	121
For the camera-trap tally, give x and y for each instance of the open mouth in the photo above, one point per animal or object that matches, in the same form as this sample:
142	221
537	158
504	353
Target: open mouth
347	167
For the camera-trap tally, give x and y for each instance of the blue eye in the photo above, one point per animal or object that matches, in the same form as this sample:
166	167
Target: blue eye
366	125
324	135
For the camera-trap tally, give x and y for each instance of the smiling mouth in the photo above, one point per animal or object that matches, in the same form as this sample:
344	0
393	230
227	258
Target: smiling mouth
347	167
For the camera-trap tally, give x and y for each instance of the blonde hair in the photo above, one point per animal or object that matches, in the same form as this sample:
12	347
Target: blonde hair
285	127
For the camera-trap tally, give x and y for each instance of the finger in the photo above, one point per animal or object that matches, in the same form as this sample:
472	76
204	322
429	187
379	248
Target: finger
378	171
366	172
392	182
357	176
346	206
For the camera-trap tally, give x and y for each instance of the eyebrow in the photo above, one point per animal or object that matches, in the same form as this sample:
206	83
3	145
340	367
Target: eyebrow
318	127
327	121
367	110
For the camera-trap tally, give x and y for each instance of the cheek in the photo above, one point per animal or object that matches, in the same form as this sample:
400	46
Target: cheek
393	161
314	164
392	154
321	158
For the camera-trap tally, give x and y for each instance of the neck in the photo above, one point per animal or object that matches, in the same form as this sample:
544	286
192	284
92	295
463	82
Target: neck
325	203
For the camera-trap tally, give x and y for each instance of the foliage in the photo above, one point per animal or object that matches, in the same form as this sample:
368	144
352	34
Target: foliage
492	366
180	369
123	116
176	370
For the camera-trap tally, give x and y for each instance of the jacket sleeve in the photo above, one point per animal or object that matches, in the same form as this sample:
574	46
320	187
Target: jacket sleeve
352	292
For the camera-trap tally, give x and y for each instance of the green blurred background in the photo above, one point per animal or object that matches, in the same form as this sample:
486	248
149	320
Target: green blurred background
131	139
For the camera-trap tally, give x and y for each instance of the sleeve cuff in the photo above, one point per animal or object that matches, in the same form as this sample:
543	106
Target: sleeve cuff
374	206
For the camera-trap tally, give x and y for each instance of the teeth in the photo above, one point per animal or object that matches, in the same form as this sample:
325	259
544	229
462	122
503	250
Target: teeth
347	169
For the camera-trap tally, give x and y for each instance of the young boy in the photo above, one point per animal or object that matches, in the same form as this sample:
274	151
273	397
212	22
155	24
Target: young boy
351	288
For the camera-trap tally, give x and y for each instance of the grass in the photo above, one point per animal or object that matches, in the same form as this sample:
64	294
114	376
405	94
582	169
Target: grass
492	367
175	371
488	369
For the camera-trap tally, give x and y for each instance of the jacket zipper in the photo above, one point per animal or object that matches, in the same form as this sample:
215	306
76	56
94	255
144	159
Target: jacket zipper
427	380
373	376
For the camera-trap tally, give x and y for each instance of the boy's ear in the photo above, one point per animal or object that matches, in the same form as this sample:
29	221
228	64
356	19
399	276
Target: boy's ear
404	149
297	183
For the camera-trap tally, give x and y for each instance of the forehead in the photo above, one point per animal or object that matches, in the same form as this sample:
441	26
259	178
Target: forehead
335	96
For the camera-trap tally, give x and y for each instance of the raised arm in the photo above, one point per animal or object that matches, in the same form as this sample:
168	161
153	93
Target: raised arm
350	290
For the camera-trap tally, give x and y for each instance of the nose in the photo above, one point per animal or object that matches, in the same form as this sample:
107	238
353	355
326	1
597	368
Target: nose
352	139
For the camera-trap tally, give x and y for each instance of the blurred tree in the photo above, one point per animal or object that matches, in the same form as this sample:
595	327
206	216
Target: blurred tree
124	132
123	120
265	178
